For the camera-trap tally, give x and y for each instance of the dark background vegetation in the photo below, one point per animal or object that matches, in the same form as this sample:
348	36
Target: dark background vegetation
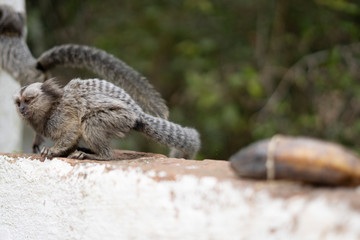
237	70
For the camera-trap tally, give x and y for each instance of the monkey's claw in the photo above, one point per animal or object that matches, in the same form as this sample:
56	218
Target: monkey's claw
46	152
77	155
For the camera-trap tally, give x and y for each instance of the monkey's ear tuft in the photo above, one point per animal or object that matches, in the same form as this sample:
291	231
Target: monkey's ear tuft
51	88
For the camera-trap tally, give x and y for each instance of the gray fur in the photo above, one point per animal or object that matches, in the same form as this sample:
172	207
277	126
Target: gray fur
110	68
95	110
16	59
12	23
15	56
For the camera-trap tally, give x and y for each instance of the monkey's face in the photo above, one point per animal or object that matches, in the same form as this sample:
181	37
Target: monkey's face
29	101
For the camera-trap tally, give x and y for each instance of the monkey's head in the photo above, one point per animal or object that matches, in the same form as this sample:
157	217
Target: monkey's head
34	101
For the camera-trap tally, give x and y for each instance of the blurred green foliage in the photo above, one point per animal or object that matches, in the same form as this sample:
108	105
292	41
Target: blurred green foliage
237	70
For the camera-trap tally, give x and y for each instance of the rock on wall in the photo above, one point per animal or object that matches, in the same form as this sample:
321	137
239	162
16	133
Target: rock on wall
160	198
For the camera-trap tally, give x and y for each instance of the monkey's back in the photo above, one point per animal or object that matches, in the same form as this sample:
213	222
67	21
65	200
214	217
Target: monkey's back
95	97
99	107
96	93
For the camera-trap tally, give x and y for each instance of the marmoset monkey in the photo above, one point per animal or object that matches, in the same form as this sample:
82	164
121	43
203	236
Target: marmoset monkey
95	110
16	59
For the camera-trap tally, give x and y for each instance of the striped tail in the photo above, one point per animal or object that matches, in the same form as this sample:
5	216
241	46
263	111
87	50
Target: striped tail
184	141
110	68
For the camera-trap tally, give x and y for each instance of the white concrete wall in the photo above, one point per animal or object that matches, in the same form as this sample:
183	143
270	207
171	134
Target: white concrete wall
10	124
57	200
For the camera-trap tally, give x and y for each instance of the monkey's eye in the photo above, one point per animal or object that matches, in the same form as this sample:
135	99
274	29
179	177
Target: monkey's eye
17	102
27	100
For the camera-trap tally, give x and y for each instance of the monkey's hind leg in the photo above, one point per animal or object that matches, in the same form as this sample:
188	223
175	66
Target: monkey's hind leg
99	126
95	135
85	153
98	142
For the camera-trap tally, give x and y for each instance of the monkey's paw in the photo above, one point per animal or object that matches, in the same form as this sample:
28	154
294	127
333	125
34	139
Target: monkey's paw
77	155
47	152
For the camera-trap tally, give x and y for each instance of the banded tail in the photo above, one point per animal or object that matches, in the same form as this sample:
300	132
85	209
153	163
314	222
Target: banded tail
109	68
184	141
